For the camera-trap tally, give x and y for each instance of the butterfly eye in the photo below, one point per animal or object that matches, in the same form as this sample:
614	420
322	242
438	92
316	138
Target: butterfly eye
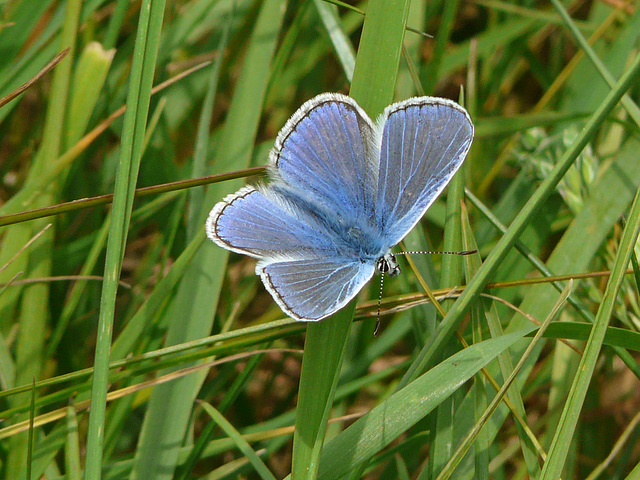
388	265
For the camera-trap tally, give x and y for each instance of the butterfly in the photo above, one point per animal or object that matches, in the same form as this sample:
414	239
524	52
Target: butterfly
343	191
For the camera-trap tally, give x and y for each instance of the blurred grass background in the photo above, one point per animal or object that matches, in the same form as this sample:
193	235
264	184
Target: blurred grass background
204	370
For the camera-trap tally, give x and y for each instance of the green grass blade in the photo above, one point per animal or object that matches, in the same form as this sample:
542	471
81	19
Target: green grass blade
192	311
88	81
609	196
339	40
72	447
451	276
568	421
626	101
32	414
408	82
168	414
202	139
635	473
34	302
468	441
376	70
492	262
115	23
373	432
472	263
143	68
240	442
372	87
324	351
442	40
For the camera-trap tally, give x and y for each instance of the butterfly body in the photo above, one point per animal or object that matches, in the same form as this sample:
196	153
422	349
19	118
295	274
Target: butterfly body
351	238
343	192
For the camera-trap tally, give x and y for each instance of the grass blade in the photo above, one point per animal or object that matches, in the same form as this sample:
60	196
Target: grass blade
373	87
450	322
166	420
373	432
563	438
466	445
147	40
240	442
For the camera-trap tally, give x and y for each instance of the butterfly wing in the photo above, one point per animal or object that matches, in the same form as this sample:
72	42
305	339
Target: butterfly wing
340	183
262	224
312	289
302	265
328	154
424	142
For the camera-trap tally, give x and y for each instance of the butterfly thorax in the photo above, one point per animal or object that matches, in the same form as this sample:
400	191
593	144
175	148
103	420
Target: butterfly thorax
388	265
352	237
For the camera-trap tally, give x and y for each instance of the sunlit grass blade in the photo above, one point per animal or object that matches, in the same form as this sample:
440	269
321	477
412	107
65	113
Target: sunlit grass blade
169	408
143	68
492	262
468	441
368	435
566	427
373	87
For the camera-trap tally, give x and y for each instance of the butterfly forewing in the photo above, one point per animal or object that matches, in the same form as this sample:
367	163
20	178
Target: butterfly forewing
313	289
424	142
263	225
327	153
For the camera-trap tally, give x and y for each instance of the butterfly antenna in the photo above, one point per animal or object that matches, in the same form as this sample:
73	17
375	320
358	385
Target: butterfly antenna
463	252
375	332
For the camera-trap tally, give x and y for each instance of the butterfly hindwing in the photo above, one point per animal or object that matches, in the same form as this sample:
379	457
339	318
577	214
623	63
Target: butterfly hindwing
424	142
312	289
328	152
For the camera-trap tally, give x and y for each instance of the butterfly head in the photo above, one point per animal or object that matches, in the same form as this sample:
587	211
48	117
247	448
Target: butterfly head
388	265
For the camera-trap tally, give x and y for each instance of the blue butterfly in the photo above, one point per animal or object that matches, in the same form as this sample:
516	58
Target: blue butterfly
344	190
